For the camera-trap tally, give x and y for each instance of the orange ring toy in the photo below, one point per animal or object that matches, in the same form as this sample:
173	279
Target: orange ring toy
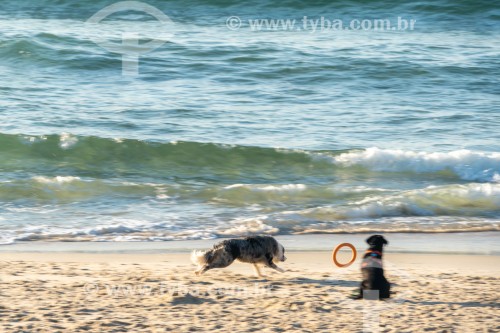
334	254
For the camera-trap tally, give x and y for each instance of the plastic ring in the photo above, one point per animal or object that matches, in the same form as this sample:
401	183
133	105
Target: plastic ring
334	254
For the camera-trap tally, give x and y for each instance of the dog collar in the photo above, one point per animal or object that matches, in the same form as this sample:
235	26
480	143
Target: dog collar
373	252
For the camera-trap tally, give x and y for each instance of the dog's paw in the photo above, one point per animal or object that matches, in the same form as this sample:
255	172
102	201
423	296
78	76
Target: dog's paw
355	295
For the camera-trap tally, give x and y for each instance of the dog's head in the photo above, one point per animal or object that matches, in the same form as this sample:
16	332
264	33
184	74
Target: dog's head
377	242
280	255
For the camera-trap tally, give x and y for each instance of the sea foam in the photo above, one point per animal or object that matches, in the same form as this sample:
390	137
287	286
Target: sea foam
466	164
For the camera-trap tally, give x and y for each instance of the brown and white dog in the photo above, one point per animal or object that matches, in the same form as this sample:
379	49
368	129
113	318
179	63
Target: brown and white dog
264	250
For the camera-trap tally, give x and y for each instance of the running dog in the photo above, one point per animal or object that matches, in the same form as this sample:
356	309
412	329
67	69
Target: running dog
255	250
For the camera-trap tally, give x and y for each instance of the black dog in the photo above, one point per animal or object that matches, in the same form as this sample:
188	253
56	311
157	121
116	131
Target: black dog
372	269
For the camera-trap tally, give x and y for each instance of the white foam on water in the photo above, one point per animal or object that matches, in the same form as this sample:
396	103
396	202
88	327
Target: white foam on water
269	188
55	180
110	229
466	164
6	240
482	198
66	140
248	226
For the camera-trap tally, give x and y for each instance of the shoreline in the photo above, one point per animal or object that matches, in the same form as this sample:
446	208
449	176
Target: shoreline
468	243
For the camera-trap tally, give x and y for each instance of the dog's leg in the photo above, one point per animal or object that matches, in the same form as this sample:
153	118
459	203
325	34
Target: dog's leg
220	262
257	270
271	264
202	270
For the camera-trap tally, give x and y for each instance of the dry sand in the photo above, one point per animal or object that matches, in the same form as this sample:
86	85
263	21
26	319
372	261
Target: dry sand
68	292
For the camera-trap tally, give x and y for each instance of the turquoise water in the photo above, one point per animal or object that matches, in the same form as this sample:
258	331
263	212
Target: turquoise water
233	132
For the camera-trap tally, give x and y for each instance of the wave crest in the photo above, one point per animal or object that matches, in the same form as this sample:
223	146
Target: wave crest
105	157
466	164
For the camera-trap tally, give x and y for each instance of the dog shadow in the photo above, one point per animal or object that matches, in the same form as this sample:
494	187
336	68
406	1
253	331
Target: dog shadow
326	282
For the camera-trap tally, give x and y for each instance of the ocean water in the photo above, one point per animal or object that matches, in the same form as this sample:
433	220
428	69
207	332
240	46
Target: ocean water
230	130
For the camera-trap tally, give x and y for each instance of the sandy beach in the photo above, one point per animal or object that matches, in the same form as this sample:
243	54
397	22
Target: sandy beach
86	292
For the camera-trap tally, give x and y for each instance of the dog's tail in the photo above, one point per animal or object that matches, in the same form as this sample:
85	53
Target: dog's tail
200	258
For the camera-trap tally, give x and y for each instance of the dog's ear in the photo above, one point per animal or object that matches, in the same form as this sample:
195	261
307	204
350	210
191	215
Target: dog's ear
370	240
